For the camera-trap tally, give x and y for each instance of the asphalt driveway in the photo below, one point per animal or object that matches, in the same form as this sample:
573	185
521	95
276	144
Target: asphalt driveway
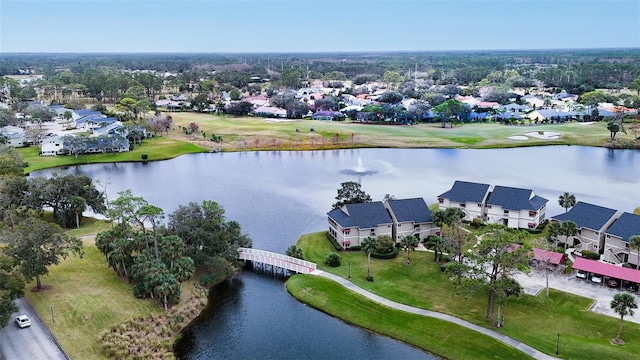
535	283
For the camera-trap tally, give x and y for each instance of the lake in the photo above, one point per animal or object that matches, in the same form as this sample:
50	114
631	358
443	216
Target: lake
278	196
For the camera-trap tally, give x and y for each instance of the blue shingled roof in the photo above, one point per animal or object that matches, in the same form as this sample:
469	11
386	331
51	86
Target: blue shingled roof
363	215
625	226
587	215
463	191
415	210
515	198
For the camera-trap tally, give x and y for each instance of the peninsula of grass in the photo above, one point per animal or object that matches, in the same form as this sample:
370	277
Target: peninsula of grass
158	148
532	320
436	336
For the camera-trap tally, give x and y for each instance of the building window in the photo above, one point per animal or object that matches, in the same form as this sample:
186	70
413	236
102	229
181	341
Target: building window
346	231
489	206
479	205
532	213
372	233
506	211
440	200
463	205
399	225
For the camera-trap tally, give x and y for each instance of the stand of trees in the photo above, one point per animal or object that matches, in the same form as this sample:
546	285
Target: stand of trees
156	258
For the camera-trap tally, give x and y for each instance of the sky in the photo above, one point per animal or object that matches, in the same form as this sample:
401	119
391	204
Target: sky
243	26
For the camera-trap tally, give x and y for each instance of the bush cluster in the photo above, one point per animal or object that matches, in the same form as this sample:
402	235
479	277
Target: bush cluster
332	260
391	255
588	254
153	337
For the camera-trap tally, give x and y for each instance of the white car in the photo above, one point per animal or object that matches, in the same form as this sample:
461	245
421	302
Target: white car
596	279
581	274
23	321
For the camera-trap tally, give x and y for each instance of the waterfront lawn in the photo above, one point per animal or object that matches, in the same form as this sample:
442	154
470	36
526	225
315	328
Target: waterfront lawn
532	320
436	336
87	298
158	148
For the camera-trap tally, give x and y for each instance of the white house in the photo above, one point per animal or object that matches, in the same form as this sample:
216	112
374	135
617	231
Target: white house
52	146
468	197
591	221
352	223
514	207
616	238
410	217
15	136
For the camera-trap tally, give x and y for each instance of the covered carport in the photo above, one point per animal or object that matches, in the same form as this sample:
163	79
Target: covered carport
608	270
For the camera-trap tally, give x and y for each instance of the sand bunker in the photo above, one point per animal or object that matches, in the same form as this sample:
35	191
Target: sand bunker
546	135
585	123
278	120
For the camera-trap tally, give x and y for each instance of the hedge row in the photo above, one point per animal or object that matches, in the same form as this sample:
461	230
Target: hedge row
390	255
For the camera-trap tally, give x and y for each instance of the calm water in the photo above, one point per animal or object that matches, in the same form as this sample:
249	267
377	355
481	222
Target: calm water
278	196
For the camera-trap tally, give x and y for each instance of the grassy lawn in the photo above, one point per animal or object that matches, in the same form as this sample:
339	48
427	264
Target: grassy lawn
435	335
88	297
236	130
159	148
532	320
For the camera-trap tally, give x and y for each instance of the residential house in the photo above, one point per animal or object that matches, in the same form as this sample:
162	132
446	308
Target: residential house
52	146
468	197
616	238
592	222
326	115
514	207
513	107
352	223
15	136
550	115
270	111
533	101
410	217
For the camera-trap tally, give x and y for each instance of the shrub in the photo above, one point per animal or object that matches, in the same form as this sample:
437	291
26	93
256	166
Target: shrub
334	242
476	223
391	255
332	260
145	156
355	248
369	278
588	254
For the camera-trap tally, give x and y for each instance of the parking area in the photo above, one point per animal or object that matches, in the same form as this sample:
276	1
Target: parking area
535	282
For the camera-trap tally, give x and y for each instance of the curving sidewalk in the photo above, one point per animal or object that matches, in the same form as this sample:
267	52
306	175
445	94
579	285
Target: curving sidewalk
410	309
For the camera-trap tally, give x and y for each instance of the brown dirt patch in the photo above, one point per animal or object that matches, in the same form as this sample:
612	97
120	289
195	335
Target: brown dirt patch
42	288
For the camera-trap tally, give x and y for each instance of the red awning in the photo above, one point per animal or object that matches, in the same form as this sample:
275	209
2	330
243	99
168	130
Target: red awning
346	242
605	269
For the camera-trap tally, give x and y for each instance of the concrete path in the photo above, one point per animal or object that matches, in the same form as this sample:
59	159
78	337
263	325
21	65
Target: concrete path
392	304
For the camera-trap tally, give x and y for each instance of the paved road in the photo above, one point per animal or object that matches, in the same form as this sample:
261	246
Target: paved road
496	335
31	343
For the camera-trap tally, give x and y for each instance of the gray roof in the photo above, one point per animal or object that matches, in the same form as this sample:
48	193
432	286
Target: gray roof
515	107
587	215
415	210
625	226
362	215
463	191
515	198
551	113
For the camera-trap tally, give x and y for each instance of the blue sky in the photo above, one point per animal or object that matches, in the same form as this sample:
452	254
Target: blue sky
314	25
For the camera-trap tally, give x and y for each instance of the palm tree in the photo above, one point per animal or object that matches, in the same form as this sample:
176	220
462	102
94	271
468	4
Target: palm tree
567	200
554	229
409	243
623	304
368	245
568	228
634	243
294	251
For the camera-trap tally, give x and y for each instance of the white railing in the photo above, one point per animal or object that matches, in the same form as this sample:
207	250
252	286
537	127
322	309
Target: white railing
279	260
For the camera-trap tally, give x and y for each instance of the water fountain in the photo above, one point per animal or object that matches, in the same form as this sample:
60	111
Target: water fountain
359	170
